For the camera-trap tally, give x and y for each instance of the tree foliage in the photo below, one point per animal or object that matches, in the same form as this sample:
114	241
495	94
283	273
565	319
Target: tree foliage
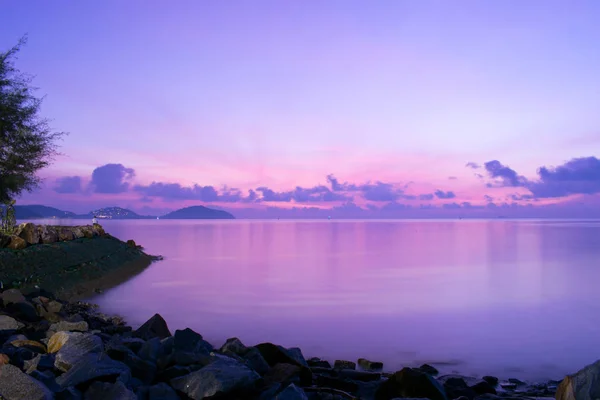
27	143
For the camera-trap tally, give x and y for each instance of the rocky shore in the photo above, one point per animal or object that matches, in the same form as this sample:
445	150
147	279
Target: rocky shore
52	349
72	261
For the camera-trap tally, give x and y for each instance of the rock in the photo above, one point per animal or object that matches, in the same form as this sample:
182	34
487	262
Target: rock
189	341
47	378
12	296
75	348
143	370
41	362
288	373
154	327
65	234
16	385
409	382
66	326
317	362
90	367
70	393
221	377
4	359
254	359
30	344
369	365
456	387
483	388
517	381
582	385
106	390
492	380
16	243
428	369
274	354
4	240
363	376
9	324
162	391
150	350
508	385
337	383
235	346
23	310
292	392
29	233
343	364
48	234
78	232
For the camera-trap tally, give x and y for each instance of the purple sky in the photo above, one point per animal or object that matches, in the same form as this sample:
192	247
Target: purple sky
341	107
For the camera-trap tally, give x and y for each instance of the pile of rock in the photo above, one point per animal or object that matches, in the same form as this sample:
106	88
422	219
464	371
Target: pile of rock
52	349
28	234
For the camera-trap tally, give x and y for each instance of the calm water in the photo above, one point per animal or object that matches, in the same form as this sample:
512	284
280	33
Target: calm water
475	297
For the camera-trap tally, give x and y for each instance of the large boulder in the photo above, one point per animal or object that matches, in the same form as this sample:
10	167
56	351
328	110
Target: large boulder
292	392
29	232
286	374
106	390
16	243
75	348
93	366
16	385
189	341
582	385
156	326
162	391
65	233
409	382
274	354
9	324
224	378
48	234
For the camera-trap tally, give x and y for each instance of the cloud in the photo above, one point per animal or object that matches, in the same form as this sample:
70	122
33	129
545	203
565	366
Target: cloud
577	176
110	178
472	165
318	193
426	197
174	191
68	184
378	191
440	194
507	176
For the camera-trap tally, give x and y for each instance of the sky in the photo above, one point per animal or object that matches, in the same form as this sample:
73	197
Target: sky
314	108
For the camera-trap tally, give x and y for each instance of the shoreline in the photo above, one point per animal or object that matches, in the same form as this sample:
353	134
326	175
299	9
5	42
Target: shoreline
52	347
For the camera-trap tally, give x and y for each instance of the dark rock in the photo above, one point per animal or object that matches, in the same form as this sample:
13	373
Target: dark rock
12	296
9	324
105	390
337	383
456	387
16	243
76	348
41	362
154	327
235	346
150	350
483	388
270	392
189	341
70	393
134	344
288	373
492	380
219	378
317	362
410	382
582	385
131	243
254	359
516	382
92	366
16	385
117	351
292	392
23	310
47	378
508	385
428	369
362	376
18	355
67	326
343	364
274	354
143	370
370	365
162	391
173	372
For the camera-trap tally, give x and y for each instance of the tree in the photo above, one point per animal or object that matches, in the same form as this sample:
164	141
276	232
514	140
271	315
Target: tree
27	143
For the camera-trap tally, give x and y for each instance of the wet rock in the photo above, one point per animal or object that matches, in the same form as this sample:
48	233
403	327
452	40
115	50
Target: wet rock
16	385
106	390
12	296
287	373
156	326
274	354
428	369
369	365
9	324
92	366
582	385
65	326
292	392
343	364
221	377
317	362
16	243
162	391
492	380
410	382
75	348
29	233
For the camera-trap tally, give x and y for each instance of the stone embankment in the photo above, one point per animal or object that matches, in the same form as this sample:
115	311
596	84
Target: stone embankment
52	349
72	261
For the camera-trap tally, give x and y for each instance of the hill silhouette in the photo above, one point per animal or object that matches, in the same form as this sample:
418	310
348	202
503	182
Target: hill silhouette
198	212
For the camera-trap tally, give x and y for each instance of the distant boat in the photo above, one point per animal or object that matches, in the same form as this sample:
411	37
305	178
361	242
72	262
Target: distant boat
329	217
157	218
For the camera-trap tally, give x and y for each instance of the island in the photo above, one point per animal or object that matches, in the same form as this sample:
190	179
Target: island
198	212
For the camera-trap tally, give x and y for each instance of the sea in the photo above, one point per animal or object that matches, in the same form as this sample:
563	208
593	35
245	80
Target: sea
510	298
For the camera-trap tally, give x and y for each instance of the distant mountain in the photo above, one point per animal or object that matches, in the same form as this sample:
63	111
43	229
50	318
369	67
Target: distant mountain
113	213
39	211
198	212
